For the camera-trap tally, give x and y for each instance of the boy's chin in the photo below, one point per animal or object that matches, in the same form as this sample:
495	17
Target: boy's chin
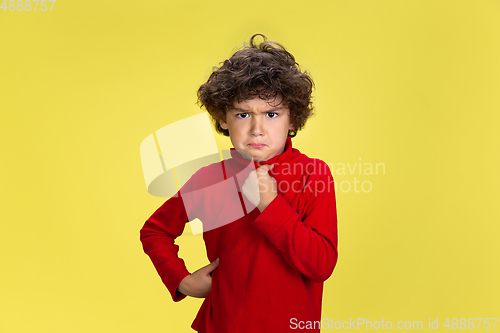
254	157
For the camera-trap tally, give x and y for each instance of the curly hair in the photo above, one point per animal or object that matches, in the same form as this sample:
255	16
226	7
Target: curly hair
265	70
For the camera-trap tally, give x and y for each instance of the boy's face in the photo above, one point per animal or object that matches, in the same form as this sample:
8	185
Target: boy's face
258	128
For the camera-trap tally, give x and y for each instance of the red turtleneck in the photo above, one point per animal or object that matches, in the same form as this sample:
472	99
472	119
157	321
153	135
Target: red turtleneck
272	264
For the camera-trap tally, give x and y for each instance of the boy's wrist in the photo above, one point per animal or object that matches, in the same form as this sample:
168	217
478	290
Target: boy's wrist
184	285
263	204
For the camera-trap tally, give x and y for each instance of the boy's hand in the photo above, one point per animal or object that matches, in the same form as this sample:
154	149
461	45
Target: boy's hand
199	283
260	187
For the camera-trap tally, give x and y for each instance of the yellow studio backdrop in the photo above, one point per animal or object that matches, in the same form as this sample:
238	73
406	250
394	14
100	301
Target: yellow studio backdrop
407	117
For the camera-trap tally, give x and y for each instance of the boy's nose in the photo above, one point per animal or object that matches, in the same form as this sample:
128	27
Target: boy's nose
257	129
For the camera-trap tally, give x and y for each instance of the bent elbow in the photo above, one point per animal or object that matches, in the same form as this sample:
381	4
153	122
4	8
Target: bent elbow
325	270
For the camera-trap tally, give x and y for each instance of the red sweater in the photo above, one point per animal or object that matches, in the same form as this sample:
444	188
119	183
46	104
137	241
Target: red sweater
272	264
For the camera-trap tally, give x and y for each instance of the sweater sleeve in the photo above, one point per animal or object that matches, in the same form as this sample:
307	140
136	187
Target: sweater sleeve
308	244
158	235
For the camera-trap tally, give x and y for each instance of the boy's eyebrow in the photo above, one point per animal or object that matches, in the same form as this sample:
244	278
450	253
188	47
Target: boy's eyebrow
248	111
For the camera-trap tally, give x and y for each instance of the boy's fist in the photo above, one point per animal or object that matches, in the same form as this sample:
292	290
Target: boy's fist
260	187
199	283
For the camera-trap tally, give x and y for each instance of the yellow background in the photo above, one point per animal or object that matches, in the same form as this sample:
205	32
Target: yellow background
411	84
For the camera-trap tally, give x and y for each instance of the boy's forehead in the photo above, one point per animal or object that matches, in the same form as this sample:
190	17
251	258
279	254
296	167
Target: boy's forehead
257	103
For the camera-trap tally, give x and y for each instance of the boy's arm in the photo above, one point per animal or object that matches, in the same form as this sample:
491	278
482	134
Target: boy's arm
309	244
157	237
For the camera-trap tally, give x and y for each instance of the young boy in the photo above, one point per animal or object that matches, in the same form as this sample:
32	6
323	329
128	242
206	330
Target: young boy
268	264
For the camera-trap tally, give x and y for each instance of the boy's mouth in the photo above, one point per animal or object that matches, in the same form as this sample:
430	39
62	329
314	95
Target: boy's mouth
257	145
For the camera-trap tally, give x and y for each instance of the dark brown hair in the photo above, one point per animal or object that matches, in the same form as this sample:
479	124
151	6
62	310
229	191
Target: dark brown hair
265	70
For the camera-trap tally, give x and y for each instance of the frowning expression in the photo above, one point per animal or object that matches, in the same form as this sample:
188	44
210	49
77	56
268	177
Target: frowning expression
258	127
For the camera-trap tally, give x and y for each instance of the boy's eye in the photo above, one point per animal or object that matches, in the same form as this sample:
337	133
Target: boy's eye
241	115
272	114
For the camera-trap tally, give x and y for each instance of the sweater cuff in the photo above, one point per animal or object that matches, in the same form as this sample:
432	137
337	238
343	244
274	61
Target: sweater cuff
275	217
172	280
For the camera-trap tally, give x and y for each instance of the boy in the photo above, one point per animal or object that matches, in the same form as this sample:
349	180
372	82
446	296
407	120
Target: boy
268	264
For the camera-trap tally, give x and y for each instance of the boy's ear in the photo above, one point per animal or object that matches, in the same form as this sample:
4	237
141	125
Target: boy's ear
223	124
290	126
